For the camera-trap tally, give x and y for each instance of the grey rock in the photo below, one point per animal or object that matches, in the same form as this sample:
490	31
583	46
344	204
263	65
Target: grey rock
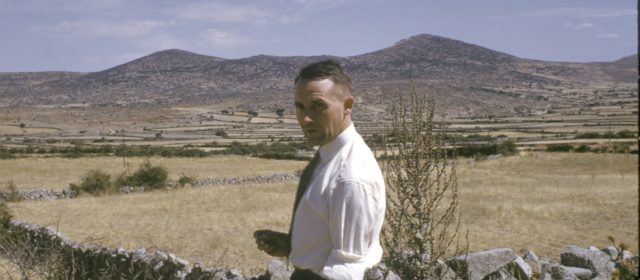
611	251
476	266
597	261
278	270
530	256
444	272
392	276
553	271
522	268
494	157
234	274
581	273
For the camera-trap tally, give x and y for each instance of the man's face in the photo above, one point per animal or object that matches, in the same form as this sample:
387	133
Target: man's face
322	111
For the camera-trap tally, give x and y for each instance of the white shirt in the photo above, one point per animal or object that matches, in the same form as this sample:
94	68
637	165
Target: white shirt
336	228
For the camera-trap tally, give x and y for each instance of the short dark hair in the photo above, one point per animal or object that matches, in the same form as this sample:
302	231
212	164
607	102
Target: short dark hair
326	69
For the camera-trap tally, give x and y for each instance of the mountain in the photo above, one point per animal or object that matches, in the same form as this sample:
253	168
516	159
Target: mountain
464	78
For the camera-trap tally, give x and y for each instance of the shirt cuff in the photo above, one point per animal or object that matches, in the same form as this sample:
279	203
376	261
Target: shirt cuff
344	265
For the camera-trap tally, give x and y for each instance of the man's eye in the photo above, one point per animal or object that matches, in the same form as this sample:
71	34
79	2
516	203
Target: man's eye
299	107
316	106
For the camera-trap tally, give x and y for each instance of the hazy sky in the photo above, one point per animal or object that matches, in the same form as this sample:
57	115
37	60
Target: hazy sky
92	35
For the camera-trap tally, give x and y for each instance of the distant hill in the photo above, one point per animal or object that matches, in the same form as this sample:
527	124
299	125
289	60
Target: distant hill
462	77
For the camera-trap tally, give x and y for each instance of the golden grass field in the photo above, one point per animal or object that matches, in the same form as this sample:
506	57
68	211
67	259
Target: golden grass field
57	173
540	201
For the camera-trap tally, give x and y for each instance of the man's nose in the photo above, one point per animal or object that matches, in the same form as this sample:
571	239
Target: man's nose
307	118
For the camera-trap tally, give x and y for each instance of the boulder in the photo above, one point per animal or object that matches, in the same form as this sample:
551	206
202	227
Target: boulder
476	266
521	269
597	261
532	260
278	270
554	271
612	252
581	273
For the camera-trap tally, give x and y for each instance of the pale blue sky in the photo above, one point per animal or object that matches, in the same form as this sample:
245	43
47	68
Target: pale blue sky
92	35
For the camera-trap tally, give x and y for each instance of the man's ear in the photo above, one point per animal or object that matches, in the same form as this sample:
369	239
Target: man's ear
348	105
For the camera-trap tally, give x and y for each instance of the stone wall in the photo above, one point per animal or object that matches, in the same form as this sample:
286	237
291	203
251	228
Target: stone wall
89	261
41	246
49	194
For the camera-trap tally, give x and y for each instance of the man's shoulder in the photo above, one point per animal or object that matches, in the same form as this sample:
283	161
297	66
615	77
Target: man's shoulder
359	163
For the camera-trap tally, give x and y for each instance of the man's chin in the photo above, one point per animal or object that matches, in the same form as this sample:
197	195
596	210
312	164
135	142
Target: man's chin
315	141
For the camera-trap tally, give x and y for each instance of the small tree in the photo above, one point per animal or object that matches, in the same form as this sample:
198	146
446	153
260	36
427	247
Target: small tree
422	191
280	112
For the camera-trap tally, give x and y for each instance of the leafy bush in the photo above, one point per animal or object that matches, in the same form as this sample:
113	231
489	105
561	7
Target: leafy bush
147	175
95	182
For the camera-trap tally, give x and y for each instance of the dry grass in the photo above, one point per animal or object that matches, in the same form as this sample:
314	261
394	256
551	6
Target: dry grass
547	201
541	202
16	130
57	173
200	224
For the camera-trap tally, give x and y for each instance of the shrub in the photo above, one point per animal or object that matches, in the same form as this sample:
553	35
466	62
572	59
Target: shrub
422	197
185	180
149	176
583	148
626	134
221	132
507	148
5	153
5	216
10	193
559	148
95	182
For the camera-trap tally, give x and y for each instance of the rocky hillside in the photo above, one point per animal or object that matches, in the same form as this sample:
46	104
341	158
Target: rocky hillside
461	76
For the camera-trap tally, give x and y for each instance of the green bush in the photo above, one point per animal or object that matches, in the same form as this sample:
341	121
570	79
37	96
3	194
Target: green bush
507	148
5	153
583	148
147	175
95	182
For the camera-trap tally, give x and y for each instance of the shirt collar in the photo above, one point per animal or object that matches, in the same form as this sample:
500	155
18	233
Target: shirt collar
328	150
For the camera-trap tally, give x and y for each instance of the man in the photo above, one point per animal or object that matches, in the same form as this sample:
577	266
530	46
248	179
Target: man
340	204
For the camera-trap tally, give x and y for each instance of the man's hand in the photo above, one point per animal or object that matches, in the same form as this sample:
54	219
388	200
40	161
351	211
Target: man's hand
272	242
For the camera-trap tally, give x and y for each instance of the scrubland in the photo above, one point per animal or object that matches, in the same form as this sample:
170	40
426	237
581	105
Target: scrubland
539	201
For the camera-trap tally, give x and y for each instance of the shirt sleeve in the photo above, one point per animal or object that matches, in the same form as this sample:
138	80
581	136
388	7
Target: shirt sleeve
353	212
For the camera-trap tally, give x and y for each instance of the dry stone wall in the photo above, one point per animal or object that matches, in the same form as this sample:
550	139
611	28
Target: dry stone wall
49	194
88	261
